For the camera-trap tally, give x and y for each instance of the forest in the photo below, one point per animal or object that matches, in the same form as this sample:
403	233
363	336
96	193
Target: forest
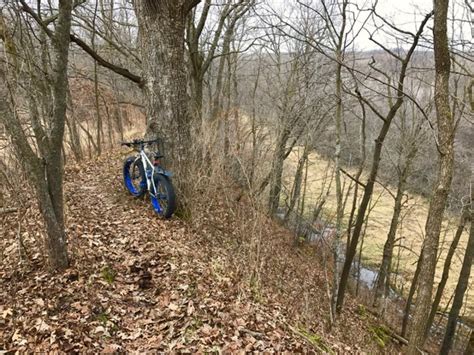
237	175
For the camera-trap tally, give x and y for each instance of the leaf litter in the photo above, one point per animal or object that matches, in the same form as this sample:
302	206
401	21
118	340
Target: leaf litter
138	283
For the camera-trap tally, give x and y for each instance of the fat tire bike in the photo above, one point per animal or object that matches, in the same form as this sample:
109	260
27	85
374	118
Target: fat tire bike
143	172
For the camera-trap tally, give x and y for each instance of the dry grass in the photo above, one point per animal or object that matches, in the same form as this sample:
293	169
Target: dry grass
411	227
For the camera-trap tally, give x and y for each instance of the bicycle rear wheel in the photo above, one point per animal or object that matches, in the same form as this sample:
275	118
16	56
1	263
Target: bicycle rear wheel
134	176
162	195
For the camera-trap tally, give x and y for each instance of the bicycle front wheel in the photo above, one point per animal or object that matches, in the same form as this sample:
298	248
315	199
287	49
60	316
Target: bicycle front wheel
162	195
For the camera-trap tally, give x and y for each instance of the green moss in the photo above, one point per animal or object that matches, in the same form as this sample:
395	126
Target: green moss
103	318
362	311
316	340
380	334
183	213
107	323
108	274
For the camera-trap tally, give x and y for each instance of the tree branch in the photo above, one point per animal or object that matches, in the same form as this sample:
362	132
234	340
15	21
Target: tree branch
189	5
84	46
352	178
102	62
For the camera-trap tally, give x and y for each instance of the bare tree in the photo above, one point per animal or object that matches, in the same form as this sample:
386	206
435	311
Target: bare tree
461	287
202	46
369	186
410	296
446	130
464	219
46	166
411	136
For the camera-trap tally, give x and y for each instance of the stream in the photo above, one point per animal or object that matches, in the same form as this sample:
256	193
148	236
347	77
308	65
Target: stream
366	275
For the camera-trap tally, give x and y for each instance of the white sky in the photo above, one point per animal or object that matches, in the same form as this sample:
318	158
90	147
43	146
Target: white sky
407	15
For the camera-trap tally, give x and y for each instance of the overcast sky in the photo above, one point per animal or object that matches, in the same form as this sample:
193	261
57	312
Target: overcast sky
406	14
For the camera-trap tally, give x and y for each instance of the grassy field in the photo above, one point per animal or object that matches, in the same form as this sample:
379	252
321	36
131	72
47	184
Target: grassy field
411	228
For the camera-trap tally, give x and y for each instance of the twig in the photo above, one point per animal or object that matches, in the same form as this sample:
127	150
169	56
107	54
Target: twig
73	38
352	178
8	210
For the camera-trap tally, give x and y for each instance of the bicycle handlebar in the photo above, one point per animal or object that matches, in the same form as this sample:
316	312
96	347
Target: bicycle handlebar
139	142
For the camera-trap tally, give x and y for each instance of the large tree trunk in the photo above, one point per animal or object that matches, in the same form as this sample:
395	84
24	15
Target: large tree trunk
51	208
461	288
161	31
445	172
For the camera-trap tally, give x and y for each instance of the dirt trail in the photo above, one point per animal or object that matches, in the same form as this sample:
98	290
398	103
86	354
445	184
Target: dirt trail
135	283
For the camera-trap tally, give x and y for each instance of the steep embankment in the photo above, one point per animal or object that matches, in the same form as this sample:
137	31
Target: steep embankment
411	225
140	283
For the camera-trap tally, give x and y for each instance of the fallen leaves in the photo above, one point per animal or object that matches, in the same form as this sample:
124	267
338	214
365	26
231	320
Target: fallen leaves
140	284
41	326
173	307
190	309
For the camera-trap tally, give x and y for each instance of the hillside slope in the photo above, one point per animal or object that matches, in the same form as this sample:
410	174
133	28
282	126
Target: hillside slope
410	232
140	283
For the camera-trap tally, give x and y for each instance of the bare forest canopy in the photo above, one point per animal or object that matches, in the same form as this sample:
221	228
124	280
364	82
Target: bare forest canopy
334	136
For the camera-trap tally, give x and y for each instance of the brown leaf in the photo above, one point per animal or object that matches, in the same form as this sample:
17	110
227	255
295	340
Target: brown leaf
173	306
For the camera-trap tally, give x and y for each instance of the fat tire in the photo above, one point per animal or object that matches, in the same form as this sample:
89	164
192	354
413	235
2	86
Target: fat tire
127	179
168	210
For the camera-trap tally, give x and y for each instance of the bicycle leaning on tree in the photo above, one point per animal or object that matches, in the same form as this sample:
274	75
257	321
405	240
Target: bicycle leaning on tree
143	172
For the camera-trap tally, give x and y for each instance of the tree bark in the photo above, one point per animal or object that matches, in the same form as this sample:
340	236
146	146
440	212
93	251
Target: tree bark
470	345
383	279
411	294
297	182
46	171
447	265
384	270
277	171
339	52
161	35
99	135
461	288
446	129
